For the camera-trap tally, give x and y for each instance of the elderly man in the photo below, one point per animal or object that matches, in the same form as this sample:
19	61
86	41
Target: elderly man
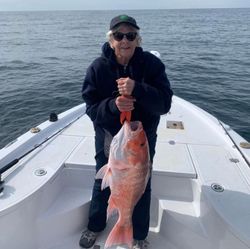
124	69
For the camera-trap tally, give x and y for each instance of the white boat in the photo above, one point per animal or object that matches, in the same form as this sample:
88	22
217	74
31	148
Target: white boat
200	184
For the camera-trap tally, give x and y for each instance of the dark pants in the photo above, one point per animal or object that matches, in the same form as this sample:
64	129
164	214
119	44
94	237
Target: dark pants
99	202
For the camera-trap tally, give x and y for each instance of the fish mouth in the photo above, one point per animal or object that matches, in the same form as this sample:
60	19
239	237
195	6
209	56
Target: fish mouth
135	125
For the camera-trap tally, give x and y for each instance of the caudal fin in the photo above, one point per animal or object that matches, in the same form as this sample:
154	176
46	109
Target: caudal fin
120	235
125	116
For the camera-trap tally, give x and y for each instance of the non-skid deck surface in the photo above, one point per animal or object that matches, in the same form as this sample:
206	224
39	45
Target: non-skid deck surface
156	241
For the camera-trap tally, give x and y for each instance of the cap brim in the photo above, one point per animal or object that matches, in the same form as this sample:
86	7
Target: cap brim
129	23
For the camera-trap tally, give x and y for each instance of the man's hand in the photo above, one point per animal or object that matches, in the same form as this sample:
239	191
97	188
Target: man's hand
125	103
125	86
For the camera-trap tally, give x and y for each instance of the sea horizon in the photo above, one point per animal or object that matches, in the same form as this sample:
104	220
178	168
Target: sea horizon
45	55
136	9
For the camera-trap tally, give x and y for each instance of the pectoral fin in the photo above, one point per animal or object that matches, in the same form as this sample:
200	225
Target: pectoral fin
105	174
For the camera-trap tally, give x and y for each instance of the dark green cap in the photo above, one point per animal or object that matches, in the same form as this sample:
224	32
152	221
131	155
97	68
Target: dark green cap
123	19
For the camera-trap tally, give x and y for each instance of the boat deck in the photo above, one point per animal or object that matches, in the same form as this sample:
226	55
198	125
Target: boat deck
51	188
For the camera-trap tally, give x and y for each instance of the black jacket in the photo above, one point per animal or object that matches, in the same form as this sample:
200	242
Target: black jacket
152	91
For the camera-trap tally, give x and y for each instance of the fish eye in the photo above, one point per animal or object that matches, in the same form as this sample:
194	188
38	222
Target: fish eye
142	144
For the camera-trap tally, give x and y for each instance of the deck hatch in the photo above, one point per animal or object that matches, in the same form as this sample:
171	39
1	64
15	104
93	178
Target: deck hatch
173	159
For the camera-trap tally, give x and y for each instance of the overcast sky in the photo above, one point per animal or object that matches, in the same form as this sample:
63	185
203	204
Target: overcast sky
115	4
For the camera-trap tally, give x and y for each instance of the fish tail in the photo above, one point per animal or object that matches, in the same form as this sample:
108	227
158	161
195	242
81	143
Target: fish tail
122	117
120	235
128	116
125	116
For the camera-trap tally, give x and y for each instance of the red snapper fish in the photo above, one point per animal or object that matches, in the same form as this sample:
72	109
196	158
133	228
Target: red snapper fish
126	173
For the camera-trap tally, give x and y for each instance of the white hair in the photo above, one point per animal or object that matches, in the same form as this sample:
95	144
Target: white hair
110	37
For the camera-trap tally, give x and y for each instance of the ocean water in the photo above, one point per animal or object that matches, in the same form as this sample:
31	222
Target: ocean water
44	57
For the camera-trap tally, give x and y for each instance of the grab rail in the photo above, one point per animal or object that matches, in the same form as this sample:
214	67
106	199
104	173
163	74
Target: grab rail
11	154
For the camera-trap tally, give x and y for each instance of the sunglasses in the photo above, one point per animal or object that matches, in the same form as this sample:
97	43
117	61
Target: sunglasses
118	36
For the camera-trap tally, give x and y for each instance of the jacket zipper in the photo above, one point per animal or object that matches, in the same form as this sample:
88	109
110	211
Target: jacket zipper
125	69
